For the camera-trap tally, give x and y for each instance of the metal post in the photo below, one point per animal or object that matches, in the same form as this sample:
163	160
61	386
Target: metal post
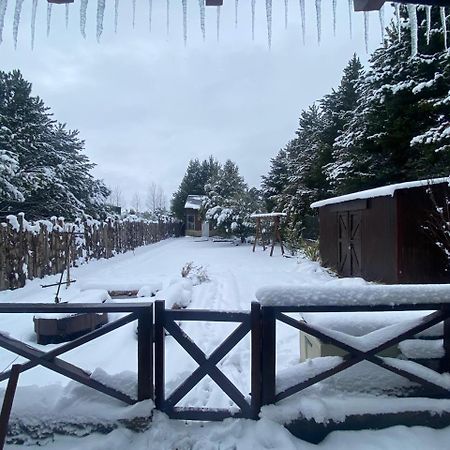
145	354
8	402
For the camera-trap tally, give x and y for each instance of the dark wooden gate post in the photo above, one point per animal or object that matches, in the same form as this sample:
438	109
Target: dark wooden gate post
268	355
159	355
145	355
8	402
256	359
445	361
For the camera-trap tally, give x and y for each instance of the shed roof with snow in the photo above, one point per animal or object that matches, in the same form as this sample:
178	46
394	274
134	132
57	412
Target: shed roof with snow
380	235
194	201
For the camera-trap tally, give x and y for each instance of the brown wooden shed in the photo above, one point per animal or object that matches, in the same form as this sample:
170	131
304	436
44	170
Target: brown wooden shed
379	234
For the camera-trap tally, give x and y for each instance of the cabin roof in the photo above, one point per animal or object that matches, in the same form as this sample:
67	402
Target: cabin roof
194	201
383	191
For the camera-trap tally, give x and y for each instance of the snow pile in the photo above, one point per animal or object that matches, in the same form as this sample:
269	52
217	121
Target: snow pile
335	294
124	382
177	295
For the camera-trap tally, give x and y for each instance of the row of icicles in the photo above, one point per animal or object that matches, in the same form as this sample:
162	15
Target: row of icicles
101	6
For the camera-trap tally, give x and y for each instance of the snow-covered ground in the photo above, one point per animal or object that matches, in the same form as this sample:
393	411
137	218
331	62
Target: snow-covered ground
235	274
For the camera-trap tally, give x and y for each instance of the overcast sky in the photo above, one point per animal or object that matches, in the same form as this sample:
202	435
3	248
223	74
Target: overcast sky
146	104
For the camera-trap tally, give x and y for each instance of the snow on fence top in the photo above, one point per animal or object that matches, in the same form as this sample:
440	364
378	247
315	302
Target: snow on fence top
268	215
383	191
365	295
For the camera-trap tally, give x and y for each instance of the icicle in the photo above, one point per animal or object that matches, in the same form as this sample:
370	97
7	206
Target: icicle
184	2
412	14
366	30
269	22
334	17
134	13
381	17
253	19
236	7
67	16
83	9
286	10
3	5
303	19
150	9
397	16
33	22
201	4
350	14
444	25
428	24
100	15
17	13
167	16
116	15
49	18
319	19
218	23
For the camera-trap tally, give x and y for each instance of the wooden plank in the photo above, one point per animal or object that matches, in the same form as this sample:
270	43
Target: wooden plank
159	355
206	315
145	355
12	308
256	352
362	308
203	414
8	402
268	357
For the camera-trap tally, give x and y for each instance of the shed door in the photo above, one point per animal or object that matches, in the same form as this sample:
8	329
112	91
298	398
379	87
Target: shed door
349	243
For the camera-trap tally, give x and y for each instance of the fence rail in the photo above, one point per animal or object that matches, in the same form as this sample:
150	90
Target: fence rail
260	322
32	250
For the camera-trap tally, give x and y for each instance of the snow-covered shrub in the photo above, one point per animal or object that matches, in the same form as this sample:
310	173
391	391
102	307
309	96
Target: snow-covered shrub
197	274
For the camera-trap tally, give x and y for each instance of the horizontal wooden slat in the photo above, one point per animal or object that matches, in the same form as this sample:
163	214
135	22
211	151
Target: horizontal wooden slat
360	308
203	414
206	315
72	308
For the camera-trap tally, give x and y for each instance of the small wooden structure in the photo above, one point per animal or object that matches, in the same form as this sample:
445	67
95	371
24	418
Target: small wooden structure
194	222
61	329
379	234
273	217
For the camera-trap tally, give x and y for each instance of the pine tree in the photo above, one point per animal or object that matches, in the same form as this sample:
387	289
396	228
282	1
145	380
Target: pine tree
274	183
402	103
45	172
193	183
230	202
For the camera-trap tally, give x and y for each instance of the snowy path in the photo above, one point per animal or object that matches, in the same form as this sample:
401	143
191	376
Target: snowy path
235	274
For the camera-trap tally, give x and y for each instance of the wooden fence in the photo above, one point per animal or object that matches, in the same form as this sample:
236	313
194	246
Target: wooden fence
260	323
31	250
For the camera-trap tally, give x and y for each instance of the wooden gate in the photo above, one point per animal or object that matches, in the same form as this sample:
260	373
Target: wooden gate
349	243
166	320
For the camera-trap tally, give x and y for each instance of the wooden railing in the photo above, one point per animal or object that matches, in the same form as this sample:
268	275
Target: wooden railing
142	312
353	356
260	322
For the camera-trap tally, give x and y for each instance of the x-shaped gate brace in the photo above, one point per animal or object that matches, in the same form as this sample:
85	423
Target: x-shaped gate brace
141	312
354	355
207	365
